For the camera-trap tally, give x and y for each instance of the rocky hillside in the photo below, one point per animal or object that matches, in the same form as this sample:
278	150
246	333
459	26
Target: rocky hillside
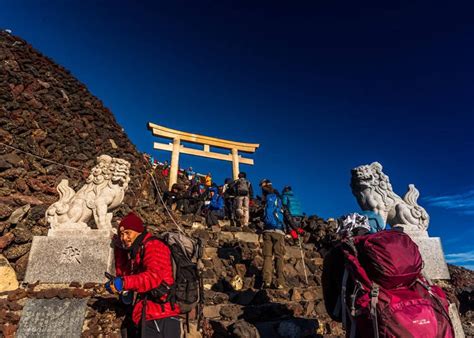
52	128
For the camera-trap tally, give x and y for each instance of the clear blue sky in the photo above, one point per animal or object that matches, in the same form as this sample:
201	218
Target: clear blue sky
323	86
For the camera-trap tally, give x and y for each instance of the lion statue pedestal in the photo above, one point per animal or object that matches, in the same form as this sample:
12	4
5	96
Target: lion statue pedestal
373	191
73	251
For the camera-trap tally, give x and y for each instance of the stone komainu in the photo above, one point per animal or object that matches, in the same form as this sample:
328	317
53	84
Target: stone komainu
373	191
104	190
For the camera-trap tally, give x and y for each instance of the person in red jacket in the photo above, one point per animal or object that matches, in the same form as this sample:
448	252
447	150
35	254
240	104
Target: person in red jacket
143	264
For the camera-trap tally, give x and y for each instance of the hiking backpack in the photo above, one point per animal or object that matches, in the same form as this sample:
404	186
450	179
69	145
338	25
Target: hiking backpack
187	288
390	297
242	187
273	216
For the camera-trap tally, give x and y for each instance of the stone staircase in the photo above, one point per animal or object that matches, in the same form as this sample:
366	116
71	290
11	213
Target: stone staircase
236	304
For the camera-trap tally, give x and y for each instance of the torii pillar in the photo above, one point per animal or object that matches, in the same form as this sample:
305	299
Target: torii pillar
176	148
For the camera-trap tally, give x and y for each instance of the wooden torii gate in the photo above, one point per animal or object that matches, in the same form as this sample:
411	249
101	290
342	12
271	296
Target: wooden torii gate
177	148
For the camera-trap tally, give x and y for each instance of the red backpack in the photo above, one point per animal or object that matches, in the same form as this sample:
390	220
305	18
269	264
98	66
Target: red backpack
390	297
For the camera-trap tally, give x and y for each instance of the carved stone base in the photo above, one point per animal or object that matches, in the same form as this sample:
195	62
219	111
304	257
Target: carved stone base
52	318
435	266
66	259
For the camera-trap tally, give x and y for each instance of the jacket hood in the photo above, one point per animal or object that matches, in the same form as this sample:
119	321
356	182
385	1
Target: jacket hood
215	190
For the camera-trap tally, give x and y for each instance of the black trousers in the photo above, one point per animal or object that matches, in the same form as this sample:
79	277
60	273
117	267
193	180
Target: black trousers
169	327
213	216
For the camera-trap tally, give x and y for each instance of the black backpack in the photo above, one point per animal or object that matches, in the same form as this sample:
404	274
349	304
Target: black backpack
187	288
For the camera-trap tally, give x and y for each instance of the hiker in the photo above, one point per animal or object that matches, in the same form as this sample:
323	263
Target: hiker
193	201
165	169
273	235
142	265
292	208
376	221
373	284
174	198
243	191
215	209
208	180
190	174
229	197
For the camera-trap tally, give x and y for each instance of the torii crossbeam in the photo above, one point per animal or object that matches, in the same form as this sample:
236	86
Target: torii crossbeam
207	142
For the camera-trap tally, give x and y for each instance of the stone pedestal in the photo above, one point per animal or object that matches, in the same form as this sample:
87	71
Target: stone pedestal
456	321
70	257
435	266
55	318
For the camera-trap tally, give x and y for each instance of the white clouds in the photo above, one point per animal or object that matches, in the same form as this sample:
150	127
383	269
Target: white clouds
462	203
461	258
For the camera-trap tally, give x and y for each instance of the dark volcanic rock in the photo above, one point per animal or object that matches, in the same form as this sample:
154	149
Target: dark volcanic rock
16	251
45	111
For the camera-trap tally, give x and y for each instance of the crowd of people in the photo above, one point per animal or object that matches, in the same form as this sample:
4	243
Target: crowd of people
150	270
143	264
196	197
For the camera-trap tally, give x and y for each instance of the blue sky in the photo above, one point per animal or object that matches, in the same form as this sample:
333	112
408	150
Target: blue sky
323	86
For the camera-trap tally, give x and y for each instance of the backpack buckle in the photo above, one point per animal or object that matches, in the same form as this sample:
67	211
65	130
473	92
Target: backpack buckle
374	292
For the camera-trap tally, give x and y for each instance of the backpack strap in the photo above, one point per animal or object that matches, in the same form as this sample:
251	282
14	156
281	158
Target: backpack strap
143	319
342	305
436	298
343	298
374	298
142	247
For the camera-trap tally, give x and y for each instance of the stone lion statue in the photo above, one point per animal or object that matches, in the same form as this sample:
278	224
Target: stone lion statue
104	191
373	191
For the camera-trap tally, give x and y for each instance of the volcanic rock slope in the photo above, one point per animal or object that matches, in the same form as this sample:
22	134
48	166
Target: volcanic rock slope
52	128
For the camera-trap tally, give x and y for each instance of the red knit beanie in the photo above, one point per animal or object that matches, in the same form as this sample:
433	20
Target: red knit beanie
132	222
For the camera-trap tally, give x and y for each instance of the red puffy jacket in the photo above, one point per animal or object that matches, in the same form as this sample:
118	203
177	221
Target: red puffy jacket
156	267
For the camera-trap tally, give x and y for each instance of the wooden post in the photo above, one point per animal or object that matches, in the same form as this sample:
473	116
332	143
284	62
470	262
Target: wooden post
235	163
235	155
174	163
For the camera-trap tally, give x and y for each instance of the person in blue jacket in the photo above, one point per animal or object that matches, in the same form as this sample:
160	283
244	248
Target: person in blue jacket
215	208
292	206
376	221
273	236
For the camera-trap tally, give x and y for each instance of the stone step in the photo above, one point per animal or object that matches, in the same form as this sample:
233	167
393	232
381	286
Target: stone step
257	297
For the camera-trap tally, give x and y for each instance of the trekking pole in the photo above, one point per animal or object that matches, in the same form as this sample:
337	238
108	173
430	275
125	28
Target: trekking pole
302	260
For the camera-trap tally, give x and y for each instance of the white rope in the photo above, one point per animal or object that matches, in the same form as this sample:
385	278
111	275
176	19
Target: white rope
41	158
54	162
164	204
